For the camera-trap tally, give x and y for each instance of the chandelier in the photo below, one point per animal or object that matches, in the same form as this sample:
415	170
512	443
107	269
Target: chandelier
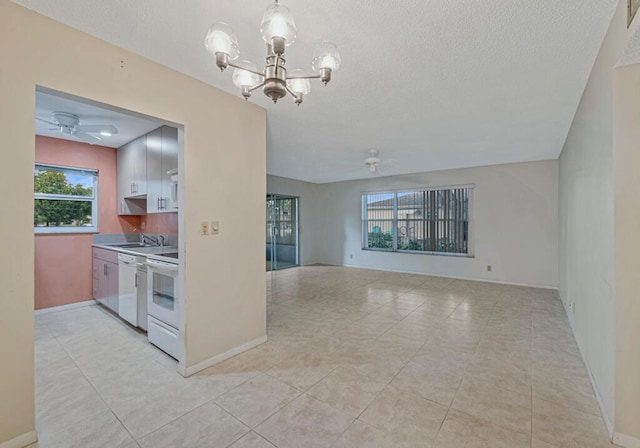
278	31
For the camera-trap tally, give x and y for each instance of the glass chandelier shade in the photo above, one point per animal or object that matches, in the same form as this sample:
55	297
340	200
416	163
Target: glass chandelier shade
222	39
298	85
326	56
278	22
244	78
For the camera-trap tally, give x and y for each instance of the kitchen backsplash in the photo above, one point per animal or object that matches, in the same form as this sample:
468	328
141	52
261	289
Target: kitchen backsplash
161	223
165	224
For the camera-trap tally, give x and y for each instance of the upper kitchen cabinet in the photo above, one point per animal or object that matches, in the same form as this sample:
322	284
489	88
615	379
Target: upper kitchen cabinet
162	160
132	177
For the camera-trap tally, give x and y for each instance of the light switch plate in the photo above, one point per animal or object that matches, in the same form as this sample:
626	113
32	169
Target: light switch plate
215	227
204	228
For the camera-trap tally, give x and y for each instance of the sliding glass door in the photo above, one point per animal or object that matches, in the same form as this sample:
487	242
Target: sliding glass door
282	232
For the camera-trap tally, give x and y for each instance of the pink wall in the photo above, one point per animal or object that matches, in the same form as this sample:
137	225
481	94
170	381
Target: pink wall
63	266
163	223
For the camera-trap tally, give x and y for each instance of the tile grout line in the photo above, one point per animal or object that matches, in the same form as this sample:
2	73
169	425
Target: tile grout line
95	390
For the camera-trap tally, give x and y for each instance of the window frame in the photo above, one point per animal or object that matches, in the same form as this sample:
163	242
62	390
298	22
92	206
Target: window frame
470	211
94	228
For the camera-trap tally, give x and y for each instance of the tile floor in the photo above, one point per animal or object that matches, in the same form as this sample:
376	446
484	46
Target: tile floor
355	358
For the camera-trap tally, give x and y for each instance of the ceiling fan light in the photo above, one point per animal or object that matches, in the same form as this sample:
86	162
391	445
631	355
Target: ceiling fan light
278	22
106	134
245	78
222	39
326	56
298	85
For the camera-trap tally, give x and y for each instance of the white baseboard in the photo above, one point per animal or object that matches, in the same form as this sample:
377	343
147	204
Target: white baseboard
625	440
188	371
607	421
21	441
70	306
453	277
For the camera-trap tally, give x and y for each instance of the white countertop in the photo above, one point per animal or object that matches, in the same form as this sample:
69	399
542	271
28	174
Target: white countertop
142	250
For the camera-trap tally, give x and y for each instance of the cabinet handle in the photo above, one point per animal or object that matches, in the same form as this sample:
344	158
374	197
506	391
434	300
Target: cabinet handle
104	269
131	188
136	279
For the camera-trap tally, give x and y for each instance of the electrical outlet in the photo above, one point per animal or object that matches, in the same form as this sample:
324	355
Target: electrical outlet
488	268
215	227
572	307
143	225
351	256
204	228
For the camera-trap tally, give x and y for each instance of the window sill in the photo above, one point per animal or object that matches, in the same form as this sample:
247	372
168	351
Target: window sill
415	252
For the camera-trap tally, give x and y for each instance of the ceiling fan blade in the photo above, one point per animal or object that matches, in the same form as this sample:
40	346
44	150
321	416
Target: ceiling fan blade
48	122
98	128
87	138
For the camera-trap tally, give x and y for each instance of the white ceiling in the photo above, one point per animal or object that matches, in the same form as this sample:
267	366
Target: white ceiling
129	126
431	84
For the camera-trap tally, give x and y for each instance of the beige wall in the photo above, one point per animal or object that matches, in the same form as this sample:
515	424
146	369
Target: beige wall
514	224
627	247
224	159
586	253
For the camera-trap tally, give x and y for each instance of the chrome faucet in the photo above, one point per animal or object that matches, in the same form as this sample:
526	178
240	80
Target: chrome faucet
152	240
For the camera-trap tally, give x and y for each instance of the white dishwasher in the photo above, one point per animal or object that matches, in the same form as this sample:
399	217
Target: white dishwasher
127	294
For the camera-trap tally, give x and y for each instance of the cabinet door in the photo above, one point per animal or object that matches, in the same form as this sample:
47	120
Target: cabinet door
169	162
100	281
126	184
111	286
125	181
139	159
96	278
154	171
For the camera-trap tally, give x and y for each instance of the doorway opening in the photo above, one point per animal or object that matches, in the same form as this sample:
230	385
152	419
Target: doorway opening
108	195
282	232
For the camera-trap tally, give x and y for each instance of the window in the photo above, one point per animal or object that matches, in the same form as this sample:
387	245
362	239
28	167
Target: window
65	200
425	221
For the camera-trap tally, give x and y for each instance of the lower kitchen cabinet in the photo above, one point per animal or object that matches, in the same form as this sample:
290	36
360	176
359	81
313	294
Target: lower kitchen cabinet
105	278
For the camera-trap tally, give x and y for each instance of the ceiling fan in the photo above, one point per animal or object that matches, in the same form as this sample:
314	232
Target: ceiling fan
373	161
69	124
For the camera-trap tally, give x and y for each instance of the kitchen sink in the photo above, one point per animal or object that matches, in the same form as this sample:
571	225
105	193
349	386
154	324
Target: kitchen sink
127	245
169	255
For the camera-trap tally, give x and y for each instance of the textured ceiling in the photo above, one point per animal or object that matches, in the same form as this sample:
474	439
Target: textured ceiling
129	126
431	84
631	52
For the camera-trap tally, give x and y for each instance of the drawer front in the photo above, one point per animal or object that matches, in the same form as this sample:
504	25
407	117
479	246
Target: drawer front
163	336
105	254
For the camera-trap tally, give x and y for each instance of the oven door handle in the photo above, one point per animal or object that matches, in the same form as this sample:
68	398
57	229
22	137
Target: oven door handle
160	266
